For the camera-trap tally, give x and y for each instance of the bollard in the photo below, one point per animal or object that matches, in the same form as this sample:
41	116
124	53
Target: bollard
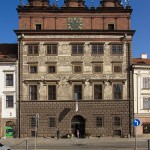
26	144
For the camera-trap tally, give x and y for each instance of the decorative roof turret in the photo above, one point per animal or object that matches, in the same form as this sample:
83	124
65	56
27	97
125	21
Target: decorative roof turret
111	3
38	2
74	3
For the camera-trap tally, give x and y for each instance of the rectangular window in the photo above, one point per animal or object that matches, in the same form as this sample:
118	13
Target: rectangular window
33	49
117	91
77	68
52	49
9	101
99	121
117	68
111	27
38	27
32	122
146	83
77	49
52	122
51	69
98	91
146	103
77	92
97	68
117	121
52	92
97	49
9	79
33	69
33	92
146	128
117	49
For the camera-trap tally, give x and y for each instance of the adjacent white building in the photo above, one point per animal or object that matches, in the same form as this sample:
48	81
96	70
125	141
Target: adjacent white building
8	85
141	79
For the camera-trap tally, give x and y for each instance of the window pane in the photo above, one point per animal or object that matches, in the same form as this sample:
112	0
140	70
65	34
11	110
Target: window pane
117	69
146	128
51	69
117	121
9	79
97	91
74	49
32	122
52	122
52	92
117	49
99	121
77	69
117	91
97	49
78	91
97	68
33	92
146	103
33	69
146	82
77	49
51	49
9	101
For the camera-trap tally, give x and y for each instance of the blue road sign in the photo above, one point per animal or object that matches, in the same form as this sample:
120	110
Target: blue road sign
136	122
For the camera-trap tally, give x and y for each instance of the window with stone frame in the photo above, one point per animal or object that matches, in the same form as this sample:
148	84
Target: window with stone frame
33	49
146	128
98	91
117	68
77	92
33	95
111	26
117	121
99	121
146	103
51	92
77	68
52	122
97	49
117	49
146	82
117	91
52	69
97	68
38	27
9	101
32	122
33	69
52	49
77	49
9	79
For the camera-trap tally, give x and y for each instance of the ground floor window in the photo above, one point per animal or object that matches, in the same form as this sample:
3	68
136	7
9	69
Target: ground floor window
146	128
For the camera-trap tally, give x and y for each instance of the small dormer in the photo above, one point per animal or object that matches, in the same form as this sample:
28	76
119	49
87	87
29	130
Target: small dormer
74	3
38	2
111	3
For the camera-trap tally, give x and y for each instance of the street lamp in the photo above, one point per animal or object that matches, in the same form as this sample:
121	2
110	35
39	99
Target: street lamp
36	126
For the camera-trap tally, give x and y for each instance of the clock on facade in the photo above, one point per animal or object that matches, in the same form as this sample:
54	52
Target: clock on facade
75	23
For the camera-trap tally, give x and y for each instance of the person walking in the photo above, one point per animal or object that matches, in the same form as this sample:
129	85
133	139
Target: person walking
58	133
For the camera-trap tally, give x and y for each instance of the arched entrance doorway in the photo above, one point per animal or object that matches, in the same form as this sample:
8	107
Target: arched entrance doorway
78	123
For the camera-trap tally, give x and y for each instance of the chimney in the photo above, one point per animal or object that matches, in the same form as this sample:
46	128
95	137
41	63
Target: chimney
143	56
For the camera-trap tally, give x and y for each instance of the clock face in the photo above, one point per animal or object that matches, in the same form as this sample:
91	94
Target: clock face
74	23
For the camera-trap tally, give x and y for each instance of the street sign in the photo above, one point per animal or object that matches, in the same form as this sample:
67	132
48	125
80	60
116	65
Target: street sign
136	122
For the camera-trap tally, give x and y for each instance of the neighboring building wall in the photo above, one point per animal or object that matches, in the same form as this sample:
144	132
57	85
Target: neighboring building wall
141	70
8	112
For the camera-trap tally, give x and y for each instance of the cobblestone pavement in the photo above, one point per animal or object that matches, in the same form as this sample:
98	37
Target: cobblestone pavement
104	143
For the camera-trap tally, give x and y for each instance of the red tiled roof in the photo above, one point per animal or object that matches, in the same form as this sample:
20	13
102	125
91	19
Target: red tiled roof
140	61
8	52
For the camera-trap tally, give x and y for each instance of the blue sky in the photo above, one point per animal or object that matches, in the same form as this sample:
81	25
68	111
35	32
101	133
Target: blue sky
140	21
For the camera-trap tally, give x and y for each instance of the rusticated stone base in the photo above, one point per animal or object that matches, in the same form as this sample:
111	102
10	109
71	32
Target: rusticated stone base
64	111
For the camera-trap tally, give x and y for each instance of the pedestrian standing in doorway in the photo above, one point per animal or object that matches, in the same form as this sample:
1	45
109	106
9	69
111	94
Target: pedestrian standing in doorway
58	133
78	133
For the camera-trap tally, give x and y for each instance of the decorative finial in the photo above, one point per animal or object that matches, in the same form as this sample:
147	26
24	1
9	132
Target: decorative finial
22	3
92	2
127	2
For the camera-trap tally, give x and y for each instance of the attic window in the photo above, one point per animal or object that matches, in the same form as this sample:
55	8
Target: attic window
38	27
111	27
